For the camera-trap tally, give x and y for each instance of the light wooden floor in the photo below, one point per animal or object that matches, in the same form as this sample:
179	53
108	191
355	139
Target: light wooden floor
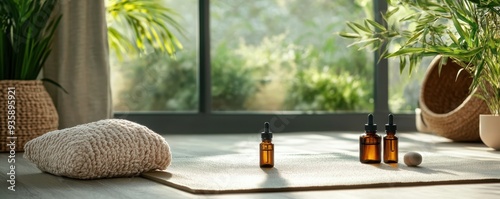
32	183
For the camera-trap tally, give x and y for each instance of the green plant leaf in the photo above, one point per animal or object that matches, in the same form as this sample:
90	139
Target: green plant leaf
55	83
477	73
389	14
453	38
349	35
460	30
403	51
365	42
147	22
376	25
361	27
402	64
27	29
352	27
413	38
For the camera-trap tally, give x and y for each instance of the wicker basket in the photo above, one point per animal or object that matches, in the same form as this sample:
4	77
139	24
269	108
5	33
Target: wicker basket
447	107
35	113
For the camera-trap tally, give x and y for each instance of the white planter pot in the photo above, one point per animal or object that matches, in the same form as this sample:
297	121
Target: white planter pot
489	130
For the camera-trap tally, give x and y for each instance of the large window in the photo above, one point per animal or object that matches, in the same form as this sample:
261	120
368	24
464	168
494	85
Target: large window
275	55
156	81
246	62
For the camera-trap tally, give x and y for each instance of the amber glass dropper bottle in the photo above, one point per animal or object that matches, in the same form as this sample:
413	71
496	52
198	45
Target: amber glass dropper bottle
369	143
266	147
390	142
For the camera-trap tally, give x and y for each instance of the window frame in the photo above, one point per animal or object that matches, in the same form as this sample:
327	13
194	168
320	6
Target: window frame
206	121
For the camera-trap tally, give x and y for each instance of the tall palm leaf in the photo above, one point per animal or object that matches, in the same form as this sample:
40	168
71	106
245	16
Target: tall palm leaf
141	26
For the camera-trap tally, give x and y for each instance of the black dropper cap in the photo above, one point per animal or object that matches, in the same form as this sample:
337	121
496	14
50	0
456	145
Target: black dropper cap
266	135
370	126
391	127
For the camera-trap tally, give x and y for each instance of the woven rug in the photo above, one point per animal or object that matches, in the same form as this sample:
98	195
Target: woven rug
241	173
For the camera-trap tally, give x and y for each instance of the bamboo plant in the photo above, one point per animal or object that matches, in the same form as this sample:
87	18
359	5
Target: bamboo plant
26	30
466	32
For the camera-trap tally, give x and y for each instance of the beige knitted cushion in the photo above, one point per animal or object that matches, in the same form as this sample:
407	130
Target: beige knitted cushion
102	149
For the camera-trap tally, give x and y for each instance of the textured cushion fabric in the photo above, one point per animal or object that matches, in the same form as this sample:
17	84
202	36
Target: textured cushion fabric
102	149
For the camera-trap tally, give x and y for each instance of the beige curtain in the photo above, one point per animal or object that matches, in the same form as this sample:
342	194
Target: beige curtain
79	63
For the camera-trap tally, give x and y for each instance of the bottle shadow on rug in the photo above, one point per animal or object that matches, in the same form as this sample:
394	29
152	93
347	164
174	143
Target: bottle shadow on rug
273	179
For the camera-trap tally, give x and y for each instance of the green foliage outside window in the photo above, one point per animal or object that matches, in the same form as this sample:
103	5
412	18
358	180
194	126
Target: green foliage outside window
325	90
233	82
150	85
305	68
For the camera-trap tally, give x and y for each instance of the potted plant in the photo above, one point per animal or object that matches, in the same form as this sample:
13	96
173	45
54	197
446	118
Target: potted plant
464	33
26	109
